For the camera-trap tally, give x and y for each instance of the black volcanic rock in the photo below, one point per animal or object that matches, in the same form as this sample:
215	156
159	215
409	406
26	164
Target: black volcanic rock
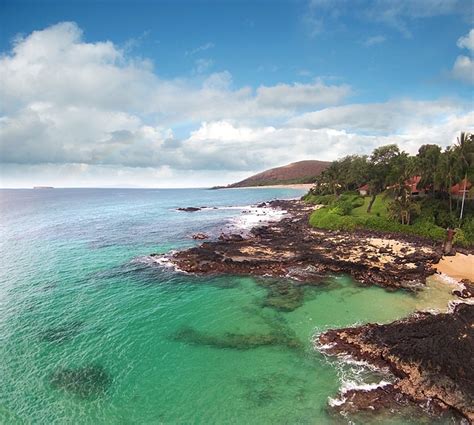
431	355
188	209
291	247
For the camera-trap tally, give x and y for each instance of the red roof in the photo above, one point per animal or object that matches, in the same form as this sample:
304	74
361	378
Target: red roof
364	187
458	188
412	182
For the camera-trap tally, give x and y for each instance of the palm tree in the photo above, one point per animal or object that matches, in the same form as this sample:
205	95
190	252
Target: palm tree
378	169
466	151
403	205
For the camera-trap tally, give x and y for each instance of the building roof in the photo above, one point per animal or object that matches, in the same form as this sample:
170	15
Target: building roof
364	187
412	182
458	188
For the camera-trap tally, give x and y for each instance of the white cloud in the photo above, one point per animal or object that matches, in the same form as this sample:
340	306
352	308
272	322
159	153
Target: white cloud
463	68
327	15
381	118
65	100
83	113
467	41
297	95
202	65
376	39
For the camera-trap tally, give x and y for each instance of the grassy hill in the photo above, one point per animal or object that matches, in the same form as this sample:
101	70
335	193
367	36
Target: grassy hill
294	173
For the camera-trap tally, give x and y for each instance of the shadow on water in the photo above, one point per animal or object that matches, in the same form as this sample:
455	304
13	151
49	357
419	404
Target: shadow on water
87	382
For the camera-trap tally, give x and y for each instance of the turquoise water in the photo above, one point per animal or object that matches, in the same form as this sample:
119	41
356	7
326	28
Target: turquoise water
93	332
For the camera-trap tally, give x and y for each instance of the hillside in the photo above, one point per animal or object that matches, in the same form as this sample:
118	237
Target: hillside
296	172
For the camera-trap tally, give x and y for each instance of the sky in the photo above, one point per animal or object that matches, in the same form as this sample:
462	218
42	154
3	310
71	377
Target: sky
199	93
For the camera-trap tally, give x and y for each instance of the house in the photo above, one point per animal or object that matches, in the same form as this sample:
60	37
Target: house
364	190
458	189
412	184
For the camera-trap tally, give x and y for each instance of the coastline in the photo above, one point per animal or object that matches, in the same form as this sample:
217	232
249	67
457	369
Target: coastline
290	248
300	186
458	267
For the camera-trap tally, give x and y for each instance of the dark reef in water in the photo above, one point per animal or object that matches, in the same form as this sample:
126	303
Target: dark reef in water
292	248
430	355
62	333
85	382
282	295
237	341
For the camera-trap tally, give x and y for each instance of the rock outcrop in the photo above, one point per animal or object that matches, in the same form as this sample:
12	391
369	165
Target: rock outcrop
291	248
430	355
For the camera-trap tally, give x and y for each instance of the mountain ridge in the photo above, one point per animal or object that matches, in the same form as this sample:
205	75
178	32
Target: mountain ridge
294	173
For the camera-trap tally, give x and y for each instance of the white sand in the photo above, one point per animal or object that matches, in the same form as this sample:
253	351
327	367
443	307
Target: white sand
459	266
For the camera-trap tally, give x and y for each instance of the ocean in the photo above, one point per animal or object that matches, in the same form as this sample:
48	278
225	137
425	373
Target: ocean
95	331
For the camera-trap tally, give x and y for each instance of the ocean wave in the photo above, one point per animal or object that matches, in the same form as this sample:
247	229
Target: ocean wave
163	260
354	386
255	216
362	386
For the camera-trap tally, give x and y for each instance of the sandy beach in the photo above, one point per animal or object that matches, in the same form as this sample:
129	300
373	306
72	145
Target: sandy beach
459	266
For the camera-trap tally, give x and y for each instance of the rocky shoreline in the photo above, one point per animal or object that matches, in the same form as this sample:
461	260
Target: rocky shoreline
292	248
431	357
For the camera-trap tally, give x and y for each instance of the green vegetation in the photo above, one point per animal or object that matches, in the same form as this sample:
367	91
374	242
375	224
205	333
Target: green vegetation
405	194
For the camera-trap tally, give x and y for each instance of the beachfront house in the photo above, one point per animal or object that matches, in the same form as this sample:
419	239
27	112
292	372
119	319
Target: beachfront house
457	190
364	190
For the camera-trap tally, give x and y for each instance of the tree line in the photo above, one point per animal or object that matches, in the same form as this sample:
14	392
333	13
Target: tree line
391	170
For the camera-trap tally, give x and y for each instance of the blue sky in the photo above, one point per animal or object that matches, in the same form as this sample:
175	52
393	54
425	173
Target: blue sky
194	93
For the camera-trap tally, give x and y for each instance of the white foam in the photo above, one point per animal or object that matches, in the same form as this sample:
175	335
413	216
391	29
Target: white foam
448	279
324	347
255	216
163	260
352	385
333	402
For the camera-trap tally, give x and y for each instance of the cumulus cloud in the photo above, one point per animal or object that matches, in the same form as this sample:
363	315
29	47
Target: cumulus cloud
232	146
463	68
382	118
75	112
297	95
66	100
467	42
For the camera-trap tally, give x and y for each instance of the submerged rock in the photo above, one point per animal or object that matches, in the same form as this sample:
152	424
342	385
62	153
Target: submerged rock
283	295
200	236
236	341
61	333
431	356
84	382
467	291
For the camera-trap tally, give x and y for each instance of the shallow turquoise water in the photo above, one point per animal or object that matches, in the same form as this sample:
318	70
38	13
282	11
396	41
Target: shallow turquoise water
78	290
